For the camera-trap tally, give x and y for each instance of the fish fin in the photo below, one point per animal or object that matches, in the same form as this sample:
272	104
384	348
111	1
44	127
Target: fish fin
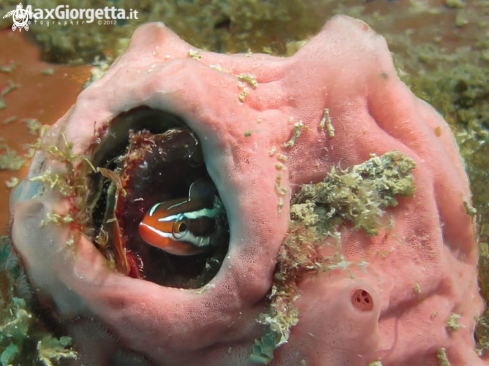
202	190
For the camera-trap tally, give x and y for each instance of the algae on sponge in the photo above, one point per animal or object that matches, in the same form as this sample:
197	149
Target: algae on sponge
358	195
453	324
442	357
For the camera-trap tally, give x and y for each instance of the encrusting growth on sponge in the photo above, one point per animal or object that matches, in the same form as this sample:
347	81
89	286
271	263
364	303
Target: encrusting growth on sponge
318	211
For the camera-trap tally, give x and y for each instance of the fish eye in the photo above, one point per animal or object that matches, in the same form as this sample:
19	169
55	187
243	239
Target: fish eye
180	228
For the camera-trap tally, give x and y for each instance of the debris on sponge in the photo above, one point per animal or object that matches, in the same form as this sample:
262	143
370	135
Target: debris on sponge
263	349
297	132
248	78
194	54
442	357
326	121
99	69
453	324
360	196
375	363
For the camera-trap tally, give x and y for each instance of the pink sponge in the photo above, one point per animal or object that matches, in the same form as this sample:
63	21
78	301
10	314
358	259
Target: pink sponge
264	128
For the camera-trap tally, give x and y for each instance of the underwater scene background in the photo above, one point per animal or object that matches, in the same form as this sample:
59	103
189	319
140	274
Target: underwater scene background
440	50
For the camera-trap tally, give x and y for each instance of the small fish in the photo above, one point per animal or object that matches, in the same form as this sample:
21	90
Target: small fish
184	226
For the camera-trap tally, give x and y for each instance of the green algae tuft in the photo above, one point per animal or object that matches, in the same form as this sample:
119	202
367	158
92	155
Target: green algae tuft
442	357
